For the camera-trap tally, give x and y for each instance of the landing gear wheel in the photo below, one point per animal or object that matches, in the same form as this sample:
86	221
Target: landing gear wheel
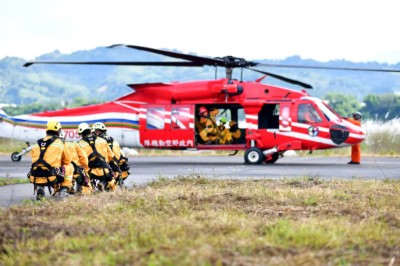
254	156
15	157
272	158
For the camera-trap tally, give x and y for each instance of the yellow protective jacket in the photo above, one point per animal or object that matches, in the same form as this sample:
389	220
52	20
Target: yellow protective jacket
78	155
56	155
102	148
114	146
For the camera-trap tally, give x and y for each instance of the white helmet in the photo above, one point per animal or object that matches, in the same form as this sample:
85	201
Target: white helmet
357	115
82	127
99	126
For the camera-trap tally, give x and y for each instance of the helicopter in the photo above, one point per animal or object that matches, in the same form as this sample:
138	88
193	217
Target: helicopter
264	121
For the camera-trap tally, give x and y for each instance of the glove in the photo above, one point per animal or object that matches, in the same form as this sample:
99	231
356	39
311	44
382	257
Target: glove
115	167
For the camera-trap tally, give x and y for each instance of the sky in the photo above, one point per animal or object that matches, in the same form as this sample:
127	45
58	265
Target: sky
354	30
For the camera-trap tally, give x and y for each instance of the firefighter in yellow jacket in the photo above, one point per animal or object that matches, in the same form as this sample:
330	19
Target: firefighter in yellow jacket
100	158
225	134
80	163
51	163
119	157
235	131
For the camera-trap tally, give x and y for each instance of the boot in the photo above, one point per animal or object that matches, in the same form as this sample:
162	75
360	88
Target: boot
40	193
63	193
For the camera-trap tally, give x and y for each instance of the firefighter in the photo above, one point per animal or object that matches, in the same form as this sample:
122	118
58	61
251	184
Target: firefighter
100	157
235	131
201	120
225	134
79	162
119	157
355	149
213	133
51	163
201	124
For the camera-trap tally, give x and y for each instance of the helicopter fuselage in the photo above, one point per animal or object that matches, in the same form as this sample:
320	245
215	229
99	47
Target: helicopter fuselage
271	119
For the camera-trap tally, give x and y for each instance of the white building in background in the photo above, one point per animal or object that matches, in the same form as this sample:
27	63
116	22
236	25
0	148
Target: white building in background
7	105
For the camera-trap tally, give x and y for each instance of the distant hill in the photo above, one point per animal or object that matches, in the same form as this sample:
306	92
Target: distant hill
56	83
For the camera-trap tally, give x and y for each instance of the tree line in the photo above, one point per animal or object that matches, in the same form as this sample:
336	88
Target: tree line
382	107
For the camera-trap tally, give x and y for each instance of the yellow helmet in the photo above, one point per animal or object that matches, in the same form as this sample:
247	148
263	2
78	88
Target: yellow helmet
99	126
53	125
82	127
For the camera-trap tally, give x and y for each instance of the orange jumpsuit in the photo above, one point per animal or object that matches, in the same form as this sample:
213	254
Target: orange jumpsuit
355	149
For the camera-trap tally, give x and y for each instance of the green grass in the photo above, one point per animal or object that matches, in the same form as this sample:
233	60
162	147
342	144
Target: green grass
12	181
199	221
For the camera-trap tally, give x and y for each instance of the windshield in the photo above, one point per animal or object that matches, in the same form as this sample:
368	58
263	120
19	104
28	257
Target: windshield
329	113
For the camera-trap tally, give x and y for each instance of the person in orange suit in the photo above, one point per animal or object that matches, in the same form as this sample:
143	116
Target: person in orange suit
355	149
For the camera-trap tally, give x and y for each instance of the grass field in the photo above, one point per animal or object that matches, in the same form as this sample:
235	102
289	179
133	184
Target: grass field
199	221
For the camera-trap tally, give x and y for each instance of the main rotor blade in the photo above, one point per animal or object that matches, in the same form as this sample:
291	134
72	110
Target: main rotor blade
174	64
288	80
330	68
193	58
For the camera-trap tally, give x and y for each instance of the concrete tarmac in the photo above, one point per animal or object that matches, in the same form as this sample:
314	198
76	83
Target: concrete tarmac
148	168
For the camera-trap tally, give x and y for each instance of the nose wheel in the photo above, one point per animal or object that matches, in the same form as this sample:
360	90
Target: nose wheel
15	157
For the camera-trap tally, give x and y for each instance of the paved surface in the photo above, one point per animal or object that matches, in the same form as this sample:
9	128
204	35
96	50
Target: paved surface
147	168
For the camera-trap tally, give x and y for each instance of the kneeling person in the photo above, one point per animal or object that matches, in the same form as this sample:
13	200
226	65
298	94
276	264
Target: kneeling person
119	157
51	163
100	157
79	162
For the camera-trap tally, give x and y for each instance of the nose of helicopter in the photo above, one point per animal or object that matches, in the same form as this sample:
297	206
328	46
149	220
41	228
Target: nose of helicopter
357	134
347	133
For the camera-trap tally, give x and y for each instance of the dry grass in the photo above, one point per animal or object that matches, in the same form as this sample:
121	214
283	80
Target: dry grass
198	221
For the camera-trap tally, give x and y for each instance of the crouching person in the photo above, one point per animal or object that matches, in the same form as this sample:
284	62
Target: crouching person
51	163
100	157
124	167
80	168
121	166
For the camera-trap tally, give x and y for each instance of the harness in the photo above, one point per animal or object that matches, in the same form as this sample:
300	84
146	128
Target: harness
110	142
96	160
123	166
40	168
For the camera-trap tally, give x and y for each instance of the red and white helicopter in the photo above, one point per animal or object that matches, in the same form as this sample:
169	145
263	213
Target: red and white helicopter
271	119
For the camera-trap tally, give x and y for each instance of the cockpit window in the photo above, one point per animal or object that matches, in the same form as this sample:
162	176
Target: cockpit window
328	112
307	114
